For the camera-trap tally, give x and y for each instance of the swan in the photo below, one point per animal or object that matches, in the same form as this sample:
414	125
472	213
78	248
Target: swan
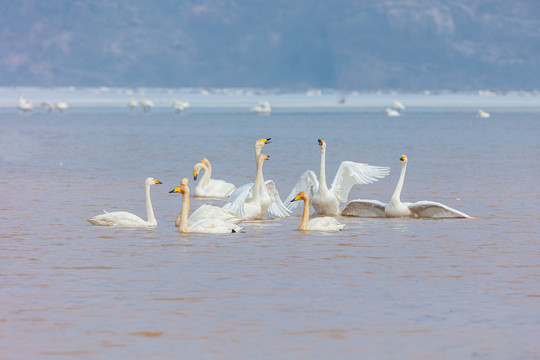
396	208
398	104
206	219
61	105
24	104
180	106
46	106
146	104
210	187
132	104
122	218
392	112
251	201
483	114
326	201
325	223
262	108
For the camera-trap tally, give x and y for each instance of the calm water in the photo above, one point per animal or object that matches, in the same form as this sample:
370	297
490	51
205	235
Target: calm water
382	288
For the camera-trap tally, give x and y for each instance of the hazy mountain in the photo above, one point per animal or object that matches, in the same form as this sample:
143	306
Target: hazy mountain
407	44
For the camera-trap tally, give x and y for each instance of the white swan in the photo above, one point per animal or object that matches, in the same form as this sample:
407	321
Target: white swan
207	186
326	201
180	106
123	218
483	114
396	208
392	112
132	104
61	106
262	108
147	105
398	104
24	104
252	201
206	219
325	223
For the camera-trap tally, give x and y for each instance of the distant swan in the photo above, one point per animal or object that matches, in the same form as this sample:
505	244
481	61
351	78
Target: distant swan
147	105
206	219
262	108
325	223
207	186
392	112
46	106
180	106
61	105
396	208
483	114
253	200
122	218
325	201
24	104
132	103
398	105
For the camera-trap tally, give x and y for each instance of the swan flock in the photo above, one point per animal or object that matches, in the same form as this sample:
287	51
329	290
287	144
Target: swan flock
253	200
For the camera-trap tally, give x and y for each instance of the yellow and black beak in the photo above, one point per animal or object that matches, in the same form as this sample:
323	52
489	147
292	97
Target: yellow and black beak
297	197
320	142
266	141
157	182
175	190
194	175
402	158
267	157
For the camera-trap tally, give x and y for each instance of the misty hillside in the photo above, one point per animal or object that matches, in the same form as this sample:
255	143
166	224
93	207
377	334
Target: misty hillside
400	44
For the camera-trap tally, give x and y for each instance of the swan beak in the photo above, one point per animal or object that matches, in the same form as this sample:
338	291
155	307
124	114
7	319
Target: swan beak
157	182
320	142
266	141
402	158
194	175
175	190
297	197
267	157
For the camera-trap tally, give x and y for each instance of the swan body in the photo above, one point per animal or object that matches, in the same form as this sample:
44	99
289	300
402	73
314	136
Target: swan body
123	218
208	187
327	201
392	112
147	105
253	200
132	104
180	106
61	105
206	219
325	223
398	105
262	108
483	114
396	208
24	104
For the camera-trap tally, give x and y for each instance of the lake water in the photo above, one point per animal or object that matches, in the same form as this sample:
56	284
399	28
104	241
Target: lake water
380	289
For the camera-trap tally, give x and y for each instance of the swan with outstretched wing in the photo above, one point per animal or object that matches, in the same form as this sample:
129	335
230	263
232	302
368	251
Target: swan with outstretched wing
326	201
396	208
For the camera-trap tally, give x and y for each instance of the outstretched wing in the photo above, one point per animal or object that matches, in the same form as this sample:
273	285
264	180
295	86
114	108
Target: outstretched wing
236	200
307	183
364	208
435	210
276	206
351	173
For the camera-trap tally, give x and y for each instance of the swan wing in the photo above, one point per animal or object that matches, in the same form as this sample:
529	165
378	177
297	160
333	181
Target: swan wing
277	207
214	226
117	218
237	199
325	223
351	173
206	211
307	183
435	210
364	208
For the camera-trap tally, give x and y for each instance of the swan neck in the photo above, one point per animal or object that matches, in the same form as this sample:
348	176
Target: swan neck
397	192
205	179
305	216
322	177
149	209
259	181
183	227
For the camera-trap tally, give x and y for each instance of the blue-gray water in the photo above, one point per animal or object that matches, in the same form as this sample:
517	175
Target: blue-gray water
382	288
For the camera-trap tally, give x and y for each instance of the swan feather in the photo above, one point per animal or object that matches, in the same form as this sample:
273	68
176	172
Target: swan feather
277	207
351	173
435	210
307	183
364	208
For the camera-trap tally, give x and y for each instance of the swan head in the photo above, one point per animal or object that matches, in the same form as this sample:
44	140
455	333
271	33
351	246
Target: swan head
403	159
151	181
300	196
262	158
183	188
261	142
322	144
205	161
